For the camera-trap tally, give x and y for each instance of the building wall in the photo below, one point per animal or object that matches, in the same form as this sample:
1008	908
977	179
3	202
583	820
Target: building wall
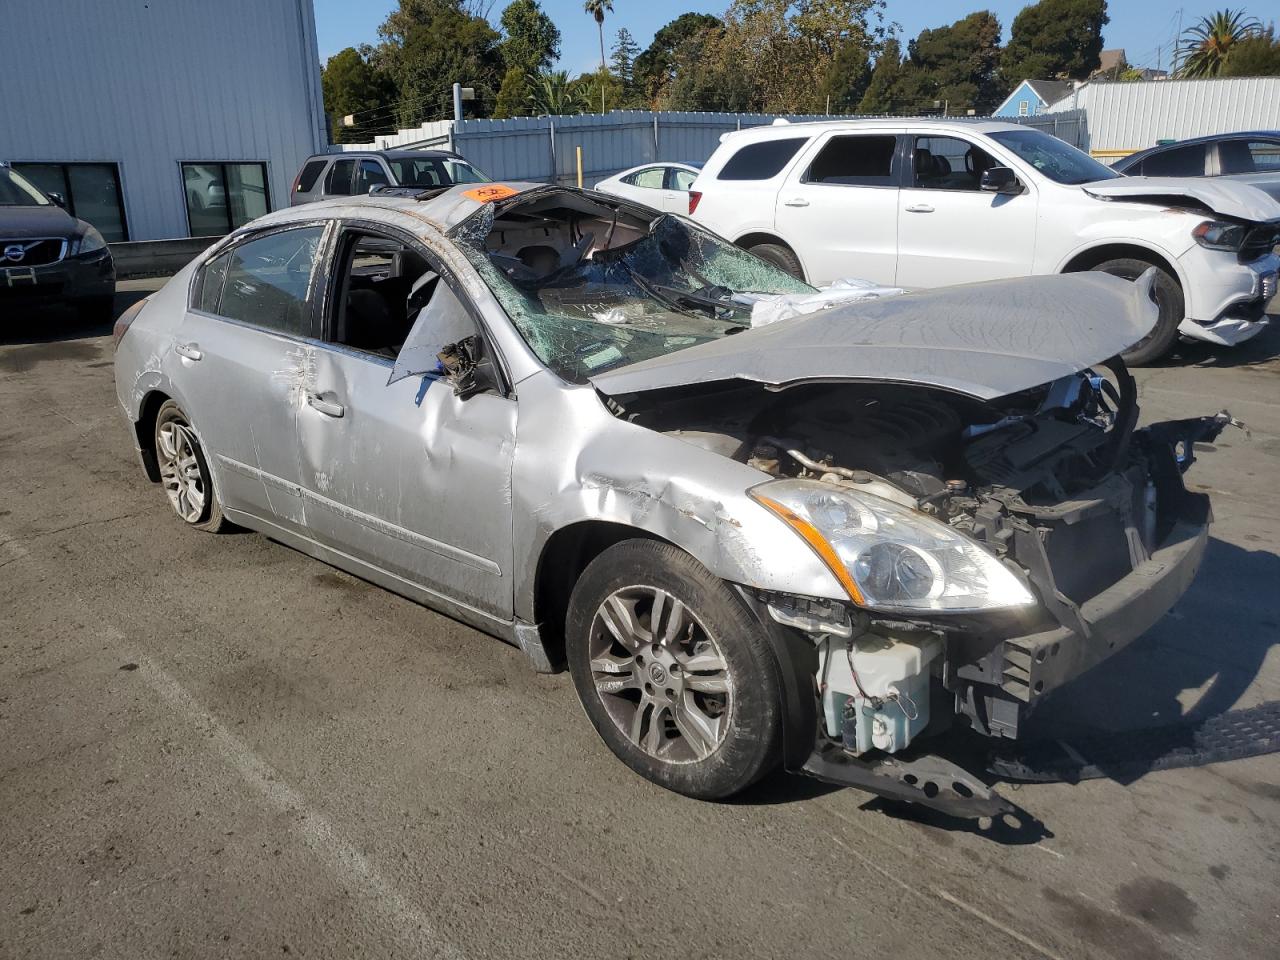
1010	107
1125	117
149	85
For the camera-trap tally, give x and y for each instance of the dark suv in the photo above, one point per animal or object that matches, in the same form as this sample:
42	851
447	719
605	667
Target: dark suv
355	173
48	256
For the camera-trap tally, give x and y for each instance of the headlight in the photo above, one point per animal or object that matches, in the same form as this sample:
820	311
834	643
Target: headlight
90	242
890	557
1220	235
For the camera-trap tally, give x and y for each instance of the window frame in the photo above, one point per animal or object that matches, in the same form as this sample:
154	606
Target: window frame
909	166
68	193
232	243
669	180
226	189
897	163
325	322
1024	108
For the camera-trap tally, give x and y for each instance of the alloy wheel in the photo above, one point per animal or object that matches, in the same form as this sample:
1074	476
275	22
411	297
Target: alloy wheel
180	471
662	678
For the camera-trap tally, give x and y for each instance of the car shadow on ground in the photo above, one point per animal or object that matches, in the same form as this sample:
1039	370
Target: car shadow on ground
1197	665
55	323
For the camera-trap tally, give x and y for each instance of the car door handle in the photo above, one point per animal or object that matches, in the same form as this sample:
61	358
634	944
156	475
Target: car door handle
919	208
188	350
795	202
327	407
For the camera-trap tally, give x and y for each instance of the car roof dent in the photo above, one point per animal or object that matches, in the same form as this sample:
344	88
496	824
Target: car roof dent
984	340
1228	198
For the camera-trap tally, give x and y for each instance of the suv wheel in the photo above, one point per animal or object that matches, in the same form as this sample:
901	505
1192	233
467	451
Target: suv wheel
780	255
672	670
1168	296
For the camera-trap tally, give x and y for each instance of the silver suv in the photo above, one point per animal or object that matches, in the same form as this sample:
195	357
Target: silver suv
355	173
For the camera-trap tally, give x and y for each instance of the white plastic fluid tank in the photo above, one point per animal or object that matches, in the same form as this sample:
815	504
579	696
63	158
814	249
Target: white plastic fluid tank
893	670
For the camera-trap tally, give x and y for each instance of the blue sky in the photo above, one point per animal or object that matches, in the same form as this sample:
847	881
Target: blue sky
1144	28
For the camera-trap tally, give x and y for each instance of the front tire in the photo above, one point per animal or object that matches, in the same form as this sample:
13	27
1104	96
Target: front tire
673	671
184	471
1168	295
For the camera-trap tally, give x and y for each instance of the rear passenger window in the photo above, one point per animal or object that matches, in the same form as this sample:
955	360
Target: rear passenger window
1265	155
761	161
210	285
267	280
858	160
1184	162
309	175
338	182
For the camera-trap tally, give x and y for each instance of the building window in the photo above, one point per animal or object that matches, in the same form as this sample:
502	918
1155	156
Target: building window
1024	108
223	196
91	192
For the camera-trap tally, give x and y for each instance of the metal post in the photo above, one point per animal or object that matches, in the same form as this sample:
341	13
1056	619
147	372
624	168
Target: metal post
655	138
578	150
457	102
555	166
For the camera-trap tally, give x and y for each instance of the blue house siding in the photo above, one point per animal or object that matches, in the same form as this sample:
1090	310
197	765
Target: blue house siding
1012	107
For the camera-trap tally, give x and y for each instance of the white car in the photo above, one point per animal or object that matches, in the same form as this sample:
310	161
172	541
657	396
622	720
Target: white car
926	203
661	185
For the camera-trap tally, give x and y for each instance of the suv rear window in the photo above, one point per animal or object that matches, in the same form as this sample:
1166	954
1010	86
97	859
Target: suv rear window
310	173
861	160
761	161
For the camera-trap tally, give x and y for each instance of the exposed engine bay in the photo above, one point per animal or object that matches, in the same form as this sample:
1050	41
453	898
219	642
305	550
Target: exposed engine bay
1054	481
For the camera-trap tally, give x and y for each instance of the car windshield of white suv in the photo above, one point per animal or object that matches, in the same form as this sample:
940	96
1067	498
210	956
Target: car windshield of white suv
592	286
17	192
434	172
1056	159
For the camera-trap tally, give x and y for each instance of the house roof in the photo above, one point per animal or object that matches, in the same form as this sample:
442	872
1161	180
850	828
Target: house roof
1050	91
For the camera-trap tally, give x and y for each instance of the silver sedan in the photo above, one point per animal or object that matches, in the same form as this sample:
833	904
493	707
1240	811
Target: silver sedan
561	417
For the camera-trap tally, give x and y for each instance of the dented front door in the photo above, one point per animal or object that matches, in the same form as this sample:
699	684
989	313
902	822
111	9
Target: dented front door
409	477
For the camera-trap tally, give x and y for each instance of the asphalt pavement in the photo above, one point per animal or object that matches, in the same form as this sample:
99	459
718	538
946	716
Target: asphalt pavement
214	746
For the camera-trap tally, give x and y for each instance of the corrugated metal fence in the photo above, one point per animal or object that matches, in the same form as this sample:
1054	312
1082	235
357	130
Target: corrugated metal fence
545	148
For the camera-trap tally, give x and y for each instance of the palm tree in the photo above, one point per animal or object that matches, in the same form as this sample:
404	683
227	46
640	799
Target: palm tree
1206	46
597	9
554	94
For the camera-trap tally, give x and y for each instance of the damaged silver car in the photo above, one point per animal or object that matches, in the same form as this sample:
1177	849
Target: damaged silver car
546	412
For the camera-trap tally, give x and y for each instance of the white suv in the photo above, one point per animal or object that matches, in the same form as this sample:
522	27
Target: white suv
926	203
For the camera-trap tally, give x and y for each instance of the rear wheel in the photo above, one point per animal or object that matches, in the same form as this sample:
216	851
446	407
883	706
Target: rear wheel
673	671
184	471
1168	296
780	255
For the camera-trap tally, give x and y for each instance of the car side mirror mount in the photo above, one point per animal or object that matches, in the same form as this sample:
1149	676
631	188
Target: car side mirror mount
468	368
58	199
1001	180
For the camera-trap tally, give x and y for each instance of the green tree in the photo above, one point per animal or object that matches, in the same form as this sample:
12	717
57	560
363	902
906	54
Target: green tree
955	65
552	93
1205	48
654	70
532	40
597	9
847	78
352	86
1054	40
1258	56
427	46
600	91
513	95
623	56
885	89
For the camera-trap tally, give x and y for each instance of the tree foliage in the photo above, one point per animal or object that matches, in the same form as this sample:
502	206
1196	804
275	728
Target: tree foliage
353	86
655	68
622	57
1054	40
956	66
886	89
552	93
1257	56
532	40
1205	48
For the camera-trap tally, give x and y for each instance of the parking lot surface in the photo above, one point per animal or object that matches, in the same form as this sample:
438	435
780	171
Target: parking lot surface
214	746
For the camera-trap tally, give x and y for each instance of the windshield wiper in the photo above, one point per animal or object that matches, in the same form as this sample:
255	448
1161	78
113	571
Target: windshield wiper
702	300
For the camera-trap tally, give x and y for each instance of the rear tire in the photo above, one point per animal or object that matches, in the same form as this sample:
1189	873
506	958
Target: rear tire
781	256
184	471
692	702
1168	295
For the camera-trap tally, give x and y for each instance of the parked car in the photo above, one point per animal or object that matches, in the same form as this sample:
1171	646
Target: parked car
1223	154
47	256
662	185
926	203
750	545
355	173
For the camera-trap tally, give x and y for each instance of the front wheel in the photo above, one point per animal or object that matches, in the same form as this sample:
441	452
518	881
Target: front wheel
1168	296
673	671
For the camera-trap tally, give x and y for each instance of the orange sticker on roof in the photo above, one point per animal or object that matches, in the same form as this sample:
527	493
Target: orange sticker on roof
490	193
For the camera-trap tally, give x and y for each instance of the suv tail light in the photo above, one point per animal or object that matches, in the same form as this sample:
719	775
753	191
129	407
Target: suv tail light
122	322
694	197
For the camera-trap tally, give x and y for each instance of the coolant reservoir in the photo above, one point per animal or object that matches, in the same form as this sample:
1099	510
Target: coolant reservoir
891	670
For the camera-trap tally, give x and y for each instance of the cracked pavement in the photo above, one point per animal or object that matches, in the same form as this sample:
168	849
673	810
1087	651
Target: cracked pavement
213	746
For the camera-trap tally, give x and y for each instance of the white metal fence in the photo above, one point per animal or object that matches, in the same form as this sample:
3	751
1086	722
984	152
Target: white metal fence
545	148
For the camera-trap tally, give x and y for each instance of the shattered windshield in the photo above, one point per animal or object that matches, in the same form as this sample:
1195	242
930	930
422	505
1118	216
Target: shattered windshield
592	288
1056	159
